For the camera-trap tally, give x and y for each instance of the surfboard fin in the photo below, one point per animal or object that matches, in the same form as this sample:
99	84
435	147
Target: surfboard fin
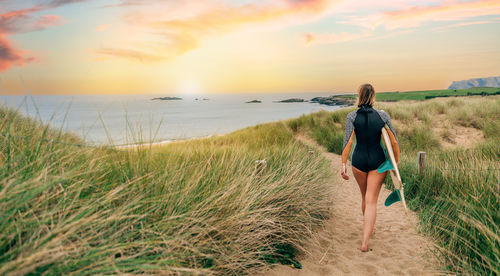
386	166
394	197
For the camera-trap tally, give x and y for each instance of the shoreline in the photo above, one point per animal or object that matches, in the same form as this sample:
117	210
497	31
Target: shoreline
163	142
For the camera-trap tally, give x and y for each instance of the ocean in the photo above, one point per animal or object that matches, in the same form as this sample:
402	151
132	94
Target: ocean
129	119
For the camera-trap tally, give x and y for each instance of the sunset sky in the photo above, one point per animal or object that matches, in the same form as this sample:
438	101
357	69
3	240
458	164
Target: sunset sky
226	46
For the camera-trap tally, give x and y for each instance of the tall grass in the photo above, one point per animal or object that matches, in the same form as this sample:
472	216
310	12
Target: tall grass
197	207
457	197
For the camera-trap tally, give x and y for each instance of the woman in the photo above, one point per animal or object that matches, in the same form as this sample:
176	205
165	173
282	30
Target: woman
364	127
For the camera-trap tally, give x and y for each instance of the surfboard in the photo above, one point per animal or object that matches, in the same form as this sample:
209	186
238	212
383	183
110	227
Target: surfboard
398	193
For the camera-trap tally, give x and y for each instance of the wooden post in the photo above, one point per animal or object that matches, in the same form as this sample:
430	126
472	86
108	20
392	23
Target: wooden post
260	166
421	162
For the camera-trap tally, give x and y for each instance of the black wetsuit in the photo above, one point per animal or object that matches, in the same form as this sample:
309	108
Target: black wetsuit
367	124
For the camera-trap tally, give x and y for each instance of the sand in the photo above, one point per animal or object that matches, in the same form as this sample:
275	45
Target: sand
396	247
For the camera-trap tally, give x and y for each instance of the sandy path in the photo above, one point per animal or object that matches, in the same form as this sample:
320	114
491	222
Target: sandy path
395	249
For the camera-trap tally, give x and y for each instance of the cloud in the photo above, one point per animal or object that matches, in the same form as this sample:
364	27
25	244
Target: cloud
443	28
22	21
416	16
10	56
101	28
330	38
180	35
130	54
127	3
57	3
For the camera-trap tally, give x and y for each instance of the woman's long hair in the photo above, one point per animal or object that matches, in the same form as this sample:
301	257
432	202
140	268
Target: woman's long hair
366	95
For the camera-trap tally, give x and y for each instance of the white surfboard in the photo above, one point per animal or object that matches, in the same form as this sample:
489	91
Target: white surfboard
395	176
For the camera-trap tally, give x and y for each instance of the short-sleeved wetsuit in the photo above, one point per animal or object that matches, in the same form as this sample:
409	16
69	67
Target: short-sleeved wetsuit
366	124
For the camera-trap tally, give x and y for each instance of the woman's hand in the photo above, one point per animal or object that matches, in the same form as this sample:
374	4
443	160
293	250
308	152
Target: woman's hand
343	172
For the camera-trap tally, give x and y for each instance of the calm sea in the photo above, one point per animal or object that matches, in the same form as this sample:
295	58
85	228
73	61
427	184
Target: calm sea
127	119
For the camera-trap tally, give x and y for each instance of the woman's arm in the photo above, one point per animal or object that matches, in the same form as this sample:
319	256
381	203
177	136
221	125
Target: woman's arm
346	147
349	131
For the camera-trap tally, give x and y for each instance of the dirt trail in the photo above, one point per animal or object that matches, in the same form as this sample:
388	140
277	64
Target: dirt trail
395	249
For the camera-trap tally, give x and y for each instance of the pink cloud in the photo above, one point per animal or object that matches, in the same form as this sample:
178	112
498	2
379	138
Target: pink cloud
415	16
46	21
181	35
22	21
10	56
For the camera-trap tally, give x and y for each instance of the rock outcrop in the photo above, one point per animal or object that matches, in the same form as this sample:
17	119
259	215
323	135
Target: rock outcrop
167	98
479	82
332	100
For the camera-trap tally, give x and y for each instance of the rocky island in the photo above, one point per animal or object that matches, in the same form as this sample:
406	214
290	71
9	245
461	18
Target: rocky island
167	98
332	100
294	100
254	101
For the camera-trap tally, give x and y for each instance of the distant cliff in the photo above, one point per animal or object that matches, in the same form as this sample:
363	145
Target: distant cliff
479	82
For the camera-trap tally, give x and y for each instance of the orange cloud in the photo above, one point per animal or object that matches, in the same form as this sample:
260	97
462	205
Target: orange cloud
182	35
10	56
313	38
418	15
130	54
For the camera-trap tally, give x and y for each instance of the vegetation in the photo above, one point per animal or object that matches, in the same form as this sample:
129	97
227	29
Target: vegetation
457	196
203	207
430	94
197	207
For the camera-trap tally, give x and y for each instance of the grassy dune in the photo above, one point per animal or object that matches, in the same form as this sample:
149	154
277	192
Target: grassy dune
198	207
201	207
429	94
457	196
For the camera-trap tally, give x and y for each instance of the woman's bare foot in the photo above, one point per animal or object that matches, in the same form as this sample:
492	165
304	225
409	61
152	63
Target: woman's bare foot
364	247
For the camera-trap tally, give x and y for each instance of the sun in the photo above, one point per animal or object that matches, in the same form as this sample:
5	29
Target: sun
189	87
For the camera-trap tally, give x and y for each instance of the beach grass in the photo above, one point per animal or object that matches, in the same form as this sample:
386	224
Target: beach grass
457	195
197	207
203	206
430	94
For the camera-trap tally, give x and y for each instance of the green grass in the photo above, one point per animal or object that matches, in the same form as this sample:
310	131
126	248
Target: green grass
197	207
457	197
201	207
430	94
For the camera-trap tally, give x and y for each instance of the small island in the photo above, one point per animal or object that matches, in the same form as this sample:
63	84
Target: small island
332	100
167	98
293	100
254	101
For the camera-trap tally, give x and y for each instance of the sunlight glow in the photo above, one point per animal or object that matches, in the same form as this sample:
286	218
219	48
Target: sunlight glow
188	87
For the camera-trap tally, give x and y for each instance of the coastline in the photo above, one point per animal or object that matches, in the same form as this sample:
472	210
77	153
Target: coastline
170	141
163	142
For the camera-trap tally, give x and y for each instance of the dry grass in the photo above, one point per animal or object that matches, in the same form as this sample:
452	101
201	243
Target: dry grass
197	207
457	197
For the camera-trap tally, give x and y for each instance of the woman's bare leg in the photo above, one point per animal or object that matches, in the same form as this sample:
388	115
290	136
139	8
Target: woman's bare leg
373	185
360	177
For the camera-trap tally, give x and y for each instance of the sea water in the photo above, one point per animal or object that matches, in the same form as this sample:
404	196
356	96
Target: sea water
129	119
